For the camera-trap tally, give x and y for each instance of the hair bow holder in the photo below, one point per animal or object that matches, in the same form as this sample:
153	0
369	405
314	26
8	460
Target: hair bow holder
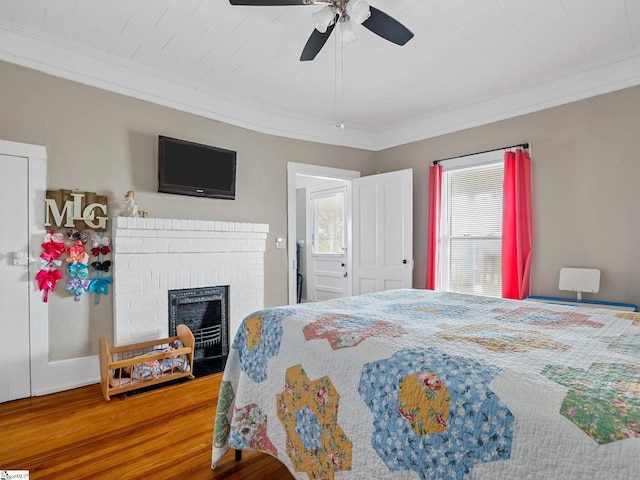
99	284
77	270
52	247
77	264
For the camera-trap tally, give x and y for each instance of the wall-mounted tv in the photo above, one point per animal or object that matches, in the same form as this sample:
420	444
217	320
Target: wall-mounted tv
188	168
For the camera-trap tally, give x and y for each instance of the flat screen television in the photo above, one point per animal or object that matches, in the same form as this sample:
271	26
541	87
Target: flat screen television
188	168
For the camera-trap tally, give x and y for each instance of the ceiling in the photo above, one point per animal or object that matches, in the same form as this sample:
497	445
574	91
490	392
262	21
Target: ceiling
470	62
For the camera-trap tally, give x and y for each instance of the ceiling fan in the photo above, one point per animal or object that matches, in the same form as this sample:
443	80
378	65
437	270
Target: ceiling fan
345	12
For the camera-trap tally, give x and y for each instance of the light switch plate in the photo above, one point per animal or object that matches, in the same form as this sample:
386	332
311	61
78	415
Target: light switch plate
281	243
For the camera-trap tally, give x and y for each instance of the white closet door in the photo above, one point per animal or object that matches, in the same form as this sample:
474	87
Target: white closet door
383	232
15	380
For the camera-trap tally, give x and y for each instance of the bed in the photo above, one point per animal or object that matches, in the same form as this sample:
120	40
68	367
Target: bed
435	385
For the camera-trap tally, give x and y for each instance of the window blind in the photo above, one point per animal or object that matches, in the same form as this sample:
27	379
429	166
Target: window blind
474	230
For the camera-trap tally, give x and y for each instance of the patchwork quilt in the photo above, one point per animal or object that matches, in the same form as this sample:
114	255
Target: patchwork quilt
435	385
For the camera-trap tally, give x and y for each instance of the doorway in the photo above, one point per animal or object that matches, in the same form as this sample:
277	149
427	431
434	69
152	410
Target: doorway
378	231
301	175
323	242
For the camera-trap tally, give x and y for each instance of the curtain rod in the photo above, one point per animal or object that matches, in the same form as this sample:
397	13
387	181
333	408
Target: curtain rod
523	145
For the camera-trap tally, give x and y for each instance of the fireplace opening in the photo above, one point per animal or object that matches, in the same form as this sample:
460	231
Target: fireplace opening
205	311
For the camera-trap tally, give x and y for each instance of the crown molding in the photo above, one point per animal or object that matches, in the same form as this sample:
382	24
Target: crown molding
60	58
598	79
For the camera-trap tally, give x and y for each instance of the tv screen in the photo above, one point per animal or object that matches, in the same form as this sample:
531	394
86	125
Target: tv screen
188	168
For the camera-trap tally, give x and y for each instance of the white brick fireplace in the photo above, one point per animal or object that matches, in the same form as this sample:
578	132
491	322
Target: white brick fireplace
152	256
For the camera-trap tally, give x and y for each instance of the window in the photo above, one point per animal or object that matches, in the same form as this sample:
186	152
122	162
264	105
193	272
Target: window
472	229
328	218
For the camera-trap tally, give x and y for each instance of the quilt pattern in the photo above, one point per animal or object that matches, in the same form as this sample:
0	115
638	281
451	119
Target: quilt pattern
501	339
308	410
603	400
343	331
222	427
259	339
435	385
250	430
634	317
545	317
627	344
434	413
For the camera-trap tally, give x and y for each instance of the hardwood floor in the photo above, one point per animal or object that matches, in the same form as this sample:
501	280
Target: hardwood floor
163	434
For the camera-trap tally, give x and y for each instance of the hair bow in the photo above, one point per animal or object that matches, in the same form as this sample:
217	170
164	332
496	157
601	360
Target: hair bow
102	266
100	250
77	270
77	254
77	287
78	235
51	251
47	281
100	285
78	258
53	237
99	241
46	265
52	246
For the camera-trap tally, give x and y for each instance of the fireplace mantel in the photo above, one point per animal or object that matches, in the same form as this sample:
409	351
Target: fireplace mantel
154	255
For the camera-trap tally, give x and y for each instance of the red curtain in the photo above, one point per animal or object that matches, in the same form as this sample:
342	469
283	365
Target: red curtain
516	225
433	249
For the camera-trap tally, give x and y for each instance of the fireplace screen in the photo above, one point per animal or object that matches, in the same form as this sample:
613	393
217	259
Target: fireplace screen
205	311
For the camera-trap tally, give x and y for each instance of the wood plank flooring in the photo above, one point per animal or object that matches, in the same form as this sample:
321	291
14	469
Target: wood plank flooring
163	434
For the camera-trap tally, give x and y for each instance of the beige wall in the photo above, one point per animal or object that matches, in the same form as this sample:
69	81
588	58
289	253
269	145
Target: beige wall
586	194
585	174
107	143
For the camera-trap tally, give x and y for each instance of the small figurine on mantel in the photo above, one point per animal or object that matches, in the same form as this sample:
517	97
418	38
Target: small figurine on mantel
131	209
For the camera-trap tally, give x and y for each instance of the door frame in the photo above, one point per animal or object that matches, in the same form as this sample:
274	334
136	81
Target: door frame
294	169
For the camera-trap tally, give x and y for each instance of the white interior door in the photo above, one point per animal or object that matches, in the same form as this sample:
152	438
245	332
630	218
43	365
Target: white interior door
327	270
15	380
382	232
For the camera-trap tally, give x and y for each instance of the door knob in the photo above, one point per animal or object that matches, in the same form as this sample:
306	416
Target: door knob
21	258
346	274
404	261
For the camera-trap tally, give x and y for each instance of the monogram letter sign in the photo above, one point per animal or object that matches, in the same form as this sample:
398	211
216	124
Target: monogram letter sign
69	208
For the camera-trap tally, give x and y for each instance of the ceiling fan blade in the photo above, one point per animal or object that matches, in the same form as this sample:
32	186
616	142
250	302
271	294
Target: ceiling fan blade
316	42
387	27
267	3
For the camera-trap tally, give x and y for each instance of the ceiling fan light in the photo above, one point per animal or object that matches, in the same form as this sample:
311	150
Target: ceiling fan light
358	10
348	33
322	18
